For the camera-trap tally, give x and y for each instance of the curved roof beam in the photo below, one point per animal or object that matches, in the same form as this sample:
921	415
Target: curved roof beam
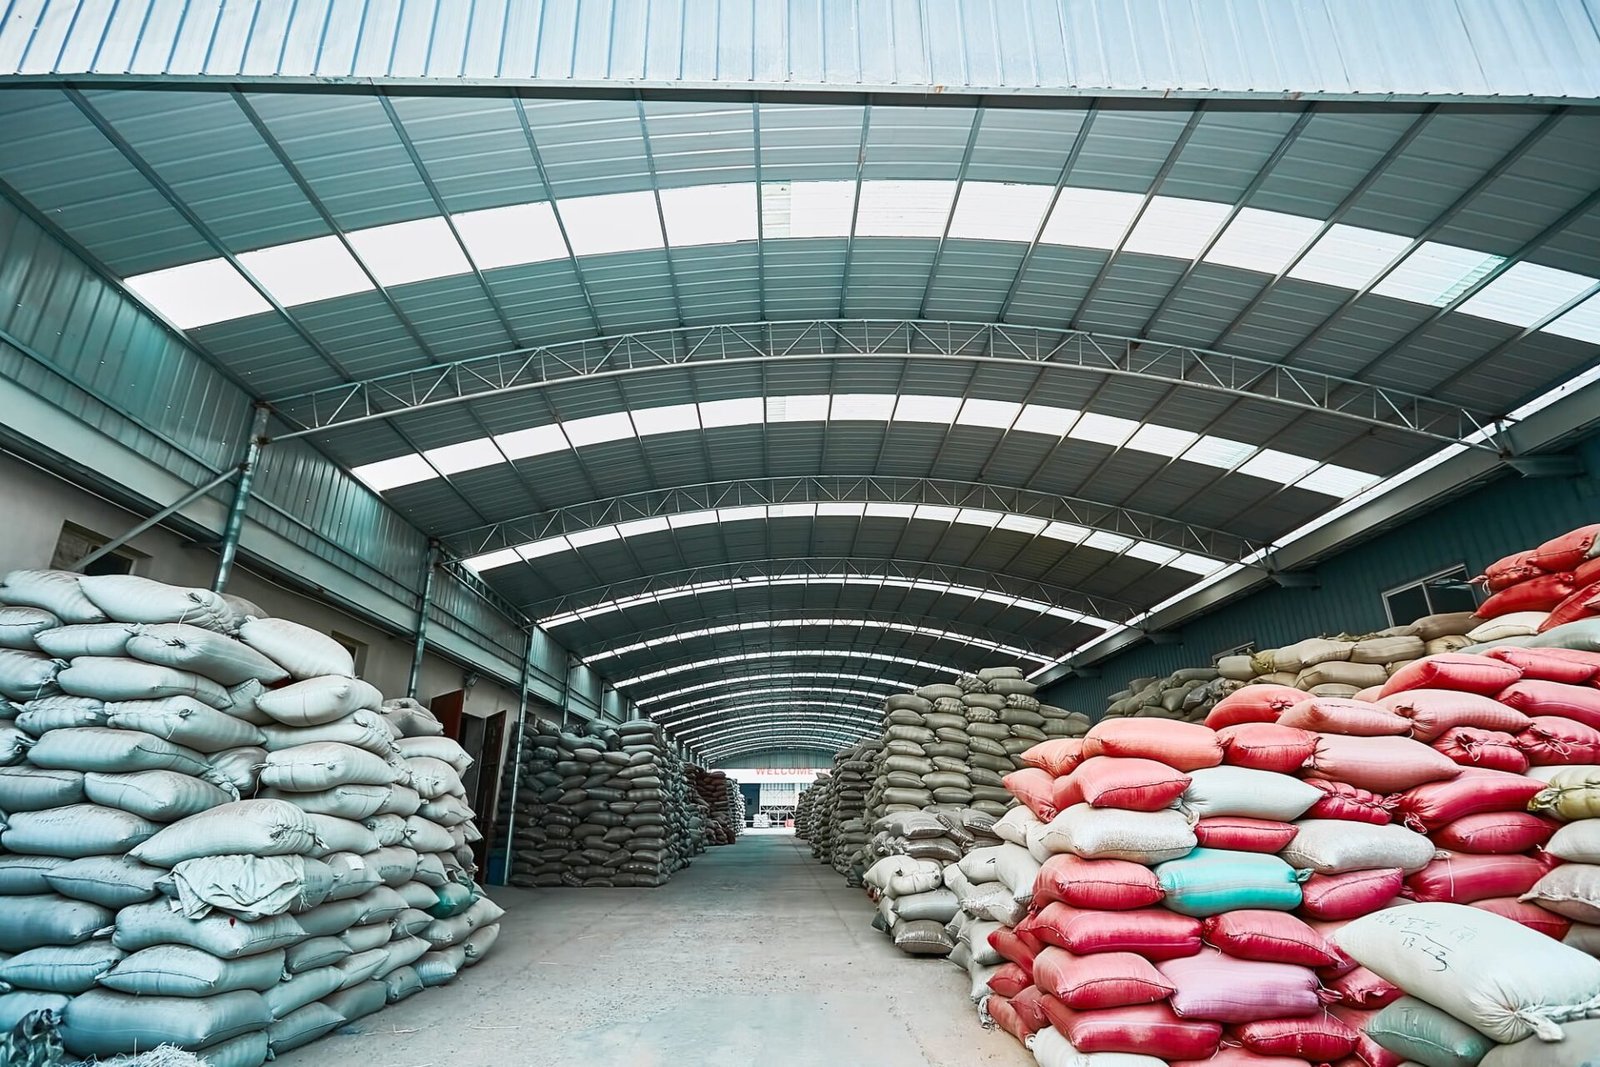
848	655
799	694
1065	351
759	713
893	573
775	740
894	685
842	735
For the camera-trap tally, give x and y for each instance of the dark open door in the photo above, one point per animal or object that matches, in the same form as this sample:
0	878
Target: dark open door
448	709
484	777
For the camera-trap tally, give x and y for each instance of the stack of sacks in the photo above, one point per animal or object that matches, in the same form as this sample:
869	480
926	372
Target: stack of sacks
602	809
1185	695
913	849
1542	588
724	804
1478	990
1344	666
847	823
810	813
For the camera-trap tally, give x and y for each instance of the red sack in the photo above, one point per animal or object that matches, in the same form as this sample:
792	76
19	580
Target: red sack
1487	750
1536	699
1034	788
1567	665
1056	757
1462	879
1535	594
1370	1053
1120	782
1009	980
1318	1038
1254	703
1265	746
1242	1057
1268	936
1183	745
1583	604
1452	670
1430	806
1151	1029
1346	802
1499	833
1362	989
1349	895
1530	915
1012	948
1379	764
1007	1017
1227	990
1508	571
1024	933
1236	833
1029	1006
1432	712
1329	929
1103	980
1567	551
1095	885
1550	740
1354	718
1154	933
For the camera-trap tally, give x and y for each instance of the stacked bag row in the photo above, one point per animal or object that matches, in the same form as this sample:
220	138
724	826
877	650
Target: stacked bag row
839	800
213	835
1547	586
723	802
1185	695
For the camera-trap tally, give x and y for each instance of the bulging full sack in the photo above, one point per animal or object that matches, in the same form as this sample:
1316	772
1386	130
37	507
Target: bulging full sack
259	827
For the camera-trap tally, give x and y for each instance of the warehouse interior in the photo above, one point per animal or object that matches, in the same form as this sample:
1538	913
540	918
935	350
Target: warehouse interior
625	428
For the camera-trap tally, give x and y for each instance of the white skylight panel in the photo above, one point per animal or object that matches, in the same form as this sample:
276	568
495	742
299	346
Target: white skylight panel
1174	226
996	414
1108	542
1526	293
740	411
863	407
1166	441
1091	218
1436	273
886	510
904	208
410	251
669	418
791	511
1027	524
807	209
597	535
710	214
1194	564
937	513
1219	452
1336	481
490	560
613	222
1349	256
1160	555
841	508
1103	429
466	456
1582	323
598	429
918	407
1274	466
303	271
507	236
1066	531
999	211
757	512
979	517
809	407
198	294
392	473
1262	240
686	519
640	527
1044	419
550	546
534	441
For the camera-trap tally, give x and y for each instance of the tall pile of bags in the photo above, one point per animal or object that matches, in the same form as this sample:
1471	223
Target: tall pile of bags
214	835
605	808
1547	586
843	835
723	802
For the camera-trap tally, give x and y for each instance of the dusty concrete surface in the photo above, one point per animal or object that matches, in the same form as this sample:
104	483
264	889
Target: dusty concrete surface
756	956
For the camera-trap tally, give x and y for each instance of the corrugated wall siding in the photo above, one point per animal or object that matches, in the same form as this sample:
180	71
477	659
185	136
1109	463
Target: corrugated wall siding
1505	516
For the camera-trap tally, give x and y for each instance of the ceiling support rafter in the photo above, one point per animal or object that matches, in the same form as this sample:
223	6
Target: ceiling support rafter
1044	220
555	210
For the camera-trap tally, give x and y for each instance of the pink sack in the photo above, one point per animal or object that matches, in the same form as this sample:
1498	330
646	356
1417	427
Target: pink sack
1509	570
1254	703
1431	712
1453	670
1103	980
1034	788
1243	1057
1354	718
1222	989
1129	783
1149	1029
1010	980
1265	746
1535	698
1543	593
1056	757
1268	936
1320	1038
1349	895
1551	740
1567	551
1379	764
1012	948
1550	664
1007	1017
1329	929
1580	605
1362	989
1096	885
1183	745
1237	833
1497	833
1029	1006
1154	933
1487	750
1530	915
1462	879
1430	806
1340	801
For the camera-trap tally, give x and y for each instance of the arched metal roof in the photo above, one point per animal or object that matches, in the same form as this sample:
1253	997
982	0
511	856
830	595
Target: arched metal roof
734	385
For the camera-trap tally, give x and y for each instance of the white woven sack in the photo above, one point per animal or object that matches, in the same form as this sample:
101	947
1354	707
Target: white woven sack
27	675
14	745
35	788
250	887
160	796
314	701
336	834
1514	624
425	836
411	719
902	875
439	748
116	751
1017	870
111	881
57	592
439	968
352	876
447	811
239	767
1246	793
155	923
243	609
1013	825
1494	974
121	678
388	829
184	721
18	625
87	639
130	598
1576	842
73	831
323	765
1147	837
185	971
434	778
345	801
39	717
216	656
60	968
105	1023
47	919
1050	1049
300	650
1334	846
259	827
978	867
363	729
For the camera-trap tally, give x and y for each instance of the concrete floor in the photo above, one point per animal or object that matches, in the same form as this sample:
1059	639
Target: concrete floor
756	956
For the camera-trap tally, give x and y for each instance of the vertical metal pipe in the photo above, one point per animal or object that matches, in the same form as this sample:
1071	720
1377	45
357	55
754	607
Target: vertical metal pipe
155	520
429	564
231	531
516	765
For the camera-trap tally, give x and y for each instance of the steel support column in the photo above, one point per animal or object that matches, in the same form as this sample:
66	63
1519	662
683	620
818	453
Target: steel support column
424	603
228	551
516	759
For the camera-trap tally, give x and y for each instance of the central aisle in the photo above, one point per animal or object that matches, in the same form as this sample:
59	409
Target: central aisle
756	956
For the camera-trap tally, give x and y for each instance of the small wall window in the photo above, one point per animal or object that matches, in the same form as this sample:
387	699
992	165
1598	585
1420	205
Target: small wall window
357	650
76	541
1446	591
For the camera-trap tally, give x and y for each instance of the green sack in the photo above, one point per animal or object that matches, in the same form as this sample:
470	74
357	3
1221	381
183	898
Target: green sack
1210	881
1418	1031
454	898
